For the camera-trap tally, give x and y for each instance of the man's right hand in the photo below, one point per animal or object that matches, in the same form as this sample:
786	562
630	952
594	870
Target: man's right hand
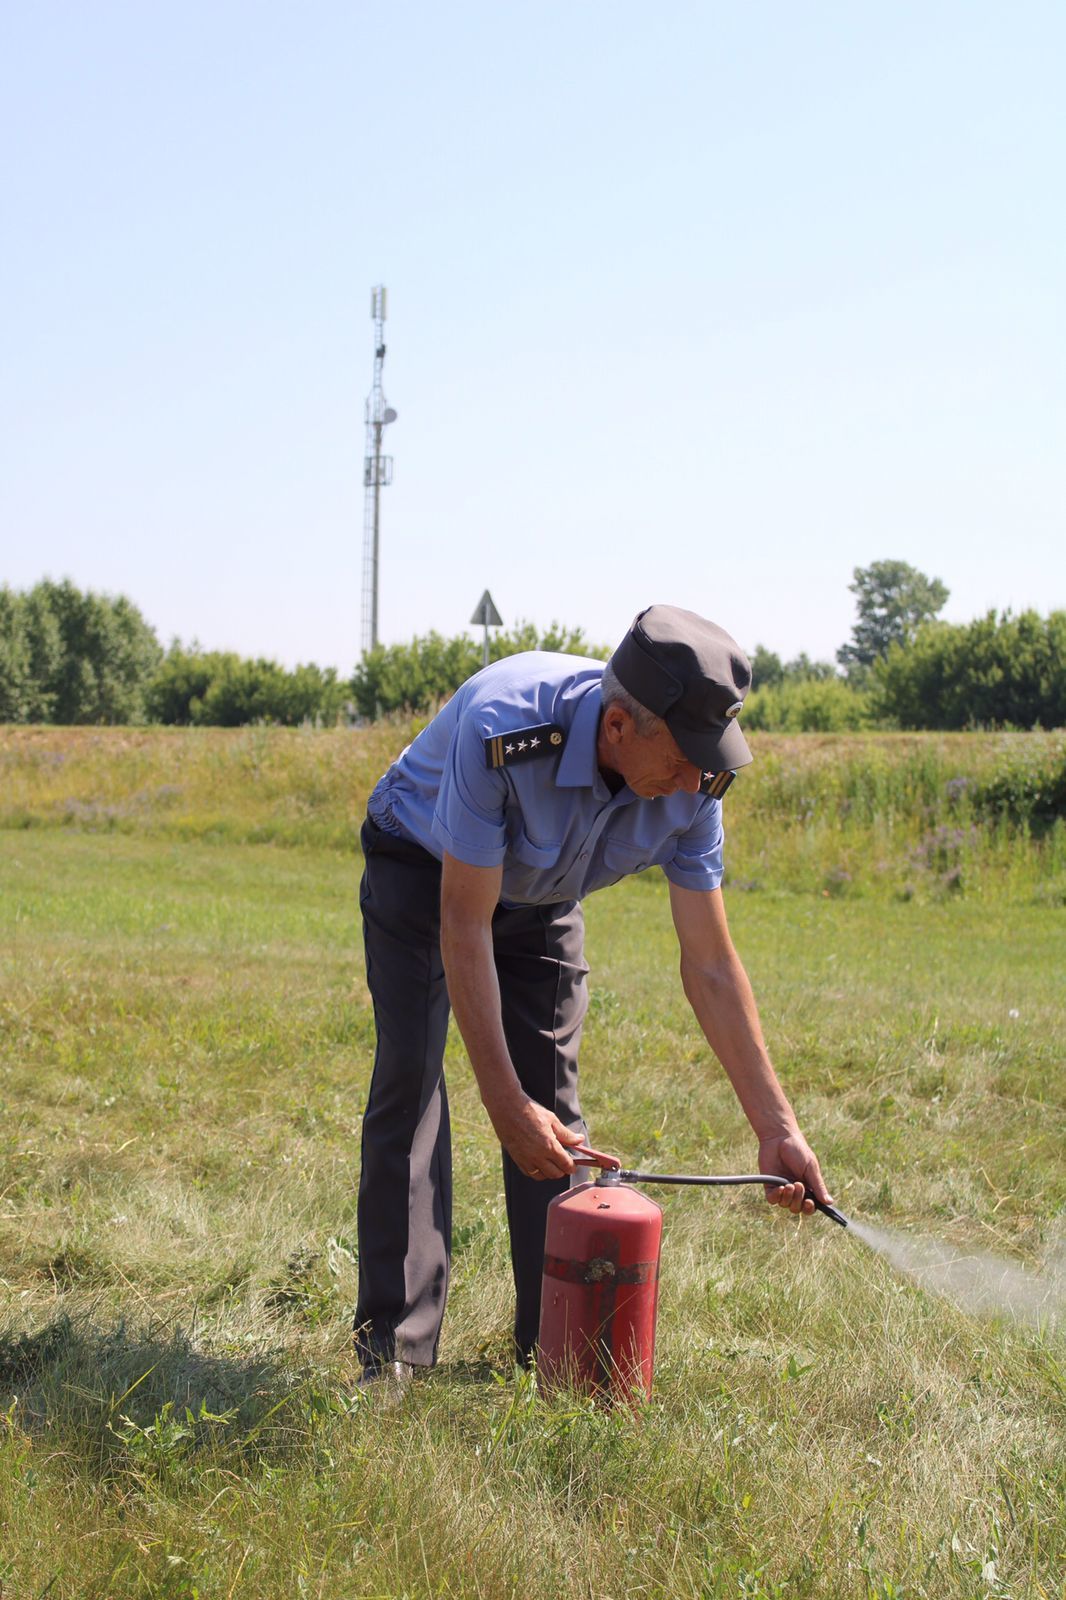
534	1138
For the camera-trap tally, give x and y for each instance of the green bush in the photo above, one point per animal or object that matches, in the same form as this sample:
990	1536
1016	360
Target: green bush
183	678
811	705
413	677
1029	789
221	689
416	677
999	671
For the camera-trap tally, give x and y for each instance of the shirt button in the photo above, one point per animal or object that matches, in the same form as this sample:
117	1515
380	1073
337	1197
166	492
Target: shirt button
583	856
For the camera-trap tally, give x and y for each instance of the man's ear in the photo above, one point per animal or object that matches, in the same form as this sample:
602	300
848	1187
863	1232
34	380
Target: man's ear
616	720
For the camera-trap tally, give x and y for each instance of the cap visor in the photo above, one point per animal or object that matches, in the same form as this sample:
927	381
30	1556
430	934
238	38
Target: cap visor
723	750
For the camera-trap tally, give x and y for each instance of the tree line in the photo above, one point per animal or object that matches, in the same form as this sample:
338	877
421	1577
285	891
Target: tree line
72	656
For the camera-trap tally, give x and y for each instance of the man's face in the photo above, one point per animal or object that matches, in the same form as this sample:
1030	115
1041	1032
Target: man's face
651	764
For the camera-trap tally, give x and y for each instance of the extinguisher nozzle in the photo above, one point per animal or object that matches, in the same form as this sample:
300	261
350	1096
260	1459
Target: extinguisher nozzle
828	1210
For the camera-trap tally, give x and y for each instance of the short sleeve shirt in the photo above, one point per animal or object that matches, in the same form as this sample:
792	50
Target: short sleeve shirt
551	821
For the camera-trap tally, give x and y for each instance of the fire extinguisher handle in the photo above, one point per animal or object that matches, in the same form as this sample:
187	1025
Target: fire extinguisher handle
582	1156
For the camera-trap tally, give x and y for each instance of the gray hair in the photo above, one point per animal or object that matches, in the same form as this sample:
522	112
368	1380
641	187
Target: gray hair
647	723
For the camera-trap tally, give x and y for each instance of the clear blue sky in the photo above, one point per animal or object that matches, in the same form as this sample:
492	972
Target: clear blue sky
704	303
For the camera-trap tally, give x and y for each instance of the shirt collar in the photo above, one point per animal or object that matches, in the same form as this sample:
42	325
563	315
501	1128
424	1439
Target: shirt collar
578	767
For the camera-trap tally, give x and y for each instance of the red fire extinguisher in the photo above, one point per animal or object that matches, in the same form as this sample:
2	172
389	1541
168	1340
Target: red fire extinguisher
601	1288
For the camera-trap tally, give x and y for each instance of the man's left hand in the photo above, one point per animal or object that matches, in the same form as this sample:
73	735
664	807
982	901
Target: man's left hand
790	1156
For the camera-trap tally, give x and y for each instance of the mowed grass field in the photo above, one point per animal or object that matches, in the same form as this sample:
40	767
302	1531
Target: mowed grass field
185	1046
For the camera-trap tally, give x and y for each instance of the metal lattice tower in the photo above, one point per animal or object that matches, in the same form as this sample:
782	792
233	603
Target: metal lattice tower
377	473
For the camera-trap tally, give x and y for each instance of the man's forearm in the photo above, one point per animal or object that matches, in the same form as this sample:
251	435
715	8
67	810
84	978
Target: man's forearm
474	993
722	999
532	1134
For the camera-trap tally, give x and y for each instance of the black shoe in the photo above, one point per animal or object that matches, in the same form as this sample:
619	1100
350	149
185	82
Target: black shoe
387	1378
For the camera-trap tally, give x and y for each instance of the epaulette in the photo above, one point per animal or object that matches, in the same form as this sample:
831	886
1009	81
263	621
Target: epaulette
524	744
716	783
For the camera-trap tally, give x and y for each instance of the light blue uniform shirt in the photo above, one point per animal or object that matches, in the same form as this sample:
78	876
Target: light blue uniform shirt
550	821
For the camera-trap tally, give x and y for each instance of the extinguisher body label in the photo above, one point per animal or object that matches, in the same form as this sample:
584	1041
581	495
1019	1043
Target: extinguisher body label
601	1269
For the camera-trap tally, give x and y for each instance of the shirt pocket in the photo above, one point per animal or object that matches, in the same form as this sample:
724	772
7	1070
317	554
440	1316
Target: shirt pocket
623	859
529	870
541	856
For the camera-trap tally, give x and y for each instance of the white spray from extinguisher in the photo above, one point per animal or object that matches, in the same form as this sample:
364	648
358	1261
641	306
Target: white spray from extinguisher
976	1281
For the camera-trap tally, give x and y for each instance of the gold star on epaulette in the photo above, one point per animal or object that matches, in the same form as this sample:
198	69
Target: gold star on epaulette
524	744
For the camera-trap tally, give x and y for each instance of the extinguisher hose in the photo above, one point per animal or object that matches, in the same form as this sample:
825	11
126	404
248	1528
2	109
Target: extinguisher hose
727	1180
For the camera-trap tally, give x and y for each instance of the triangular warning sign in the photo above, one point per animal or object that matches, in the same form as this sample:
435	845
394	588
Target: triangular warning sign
486	614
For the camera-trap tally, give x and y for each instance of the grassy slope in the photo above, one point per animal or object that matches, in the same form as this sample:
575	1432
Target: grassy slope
847	814
184	1051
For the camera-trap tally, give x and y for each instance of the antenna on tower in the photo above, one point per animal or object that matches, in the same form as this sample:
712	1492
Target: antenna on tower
377	473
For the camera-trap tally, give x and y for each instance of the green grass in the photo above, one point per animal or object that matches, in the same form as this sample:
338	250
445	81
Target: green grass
185	1045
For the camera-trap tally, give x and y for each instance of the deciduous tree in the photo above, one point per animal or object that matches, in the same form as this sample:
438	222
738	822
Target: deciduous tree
70	656
893	599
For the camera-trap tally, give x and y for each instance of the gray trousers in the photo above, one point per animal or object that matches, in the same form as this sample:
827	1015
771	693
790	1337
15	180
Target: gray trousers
405	1183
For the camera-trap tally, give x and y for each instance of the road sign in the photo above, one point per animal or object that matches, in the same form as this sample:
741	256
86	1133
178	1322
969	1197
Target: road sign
486	614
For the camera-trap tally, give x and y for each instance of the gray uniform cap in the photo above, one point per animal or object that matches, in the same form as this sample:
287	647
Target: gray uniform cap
692	674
